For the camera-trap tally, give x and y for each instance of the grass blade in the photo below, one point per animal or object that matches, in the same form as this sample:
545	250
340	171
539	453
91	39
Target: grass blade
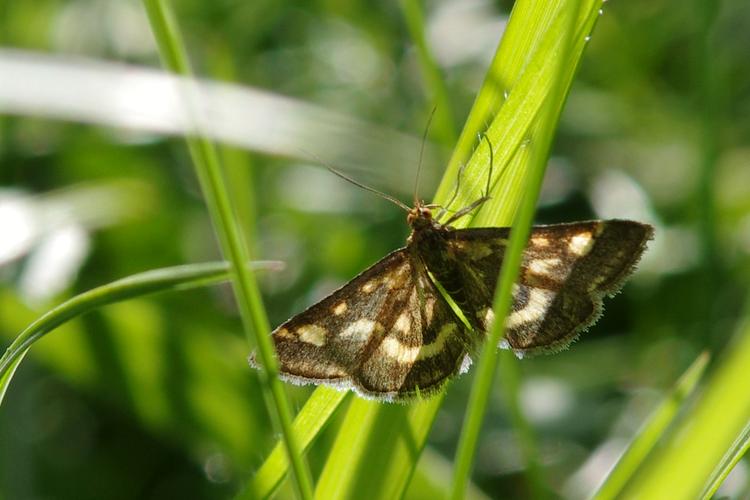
653	429
516	86
159	280
376	450
542	141
256	326
727	463
709	439
308	423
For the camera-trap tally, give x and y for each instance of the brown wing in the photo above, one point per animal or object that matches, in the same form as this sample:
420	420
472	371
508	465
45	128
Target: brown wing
388	334
566	271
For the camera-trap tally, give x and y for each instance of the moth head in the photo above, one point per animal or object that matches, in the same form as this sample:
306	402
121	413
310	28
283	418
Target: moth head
419	217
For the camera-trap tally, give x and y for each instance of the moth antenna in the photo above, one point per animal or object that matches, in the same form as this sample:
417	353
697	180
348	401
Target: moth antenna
421	153
393	200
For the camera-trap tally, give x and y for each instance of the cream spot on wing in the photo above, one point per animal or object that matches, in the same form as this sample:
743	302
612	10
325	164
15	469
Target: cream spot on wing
312	334
536	307
581	244
539	241
406	355
403	323
544	266
429	309
436	347
487	315
330	371
369	286
283	333
361	330
340	308
423	282
398	278
390	282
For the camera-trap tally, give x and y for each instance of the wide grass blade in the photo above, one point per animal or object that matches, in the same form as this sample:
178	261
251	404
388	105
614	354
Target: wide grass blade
540	136
515	88
131	97
377	449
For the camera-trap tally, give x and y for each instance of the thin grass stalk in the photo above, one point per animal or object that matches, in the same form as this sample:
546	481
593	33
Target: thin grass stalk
733	455
709	438
249	300
509	273
652	430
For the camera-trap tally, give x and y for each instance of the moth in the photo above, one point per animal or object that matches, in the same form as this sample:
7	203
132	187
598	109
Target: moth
392	334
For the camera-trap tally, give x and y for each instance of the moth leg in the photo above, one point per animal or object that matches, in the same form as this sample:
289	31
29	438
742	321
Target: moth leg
445	209
476	204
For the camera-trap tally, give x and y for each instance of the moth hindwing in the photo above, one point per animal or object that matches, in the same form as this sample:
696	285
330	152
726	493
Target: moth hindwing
390	334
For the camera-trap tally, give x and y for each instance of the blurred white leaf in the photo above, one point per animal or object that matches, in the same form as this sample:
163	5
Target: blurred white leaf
149	100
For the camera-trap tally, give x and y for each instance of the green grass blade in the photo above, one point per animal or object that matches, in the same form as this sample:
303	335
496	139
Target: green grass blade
654	428
709	439
376	450
519	80
543	133
308	423
159	280
250	303
432	479
6	374
727	463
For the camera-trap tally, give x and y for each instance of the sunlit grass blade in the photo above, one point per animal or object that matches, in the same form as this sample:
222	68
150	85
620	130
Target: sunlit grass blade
514	90
654	428
701	449
159	280
540	143
308	423
249	301
376	450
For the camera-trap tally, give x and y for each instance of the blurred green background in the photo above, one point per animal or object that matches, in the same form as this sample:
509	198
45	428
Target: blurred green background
153	398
